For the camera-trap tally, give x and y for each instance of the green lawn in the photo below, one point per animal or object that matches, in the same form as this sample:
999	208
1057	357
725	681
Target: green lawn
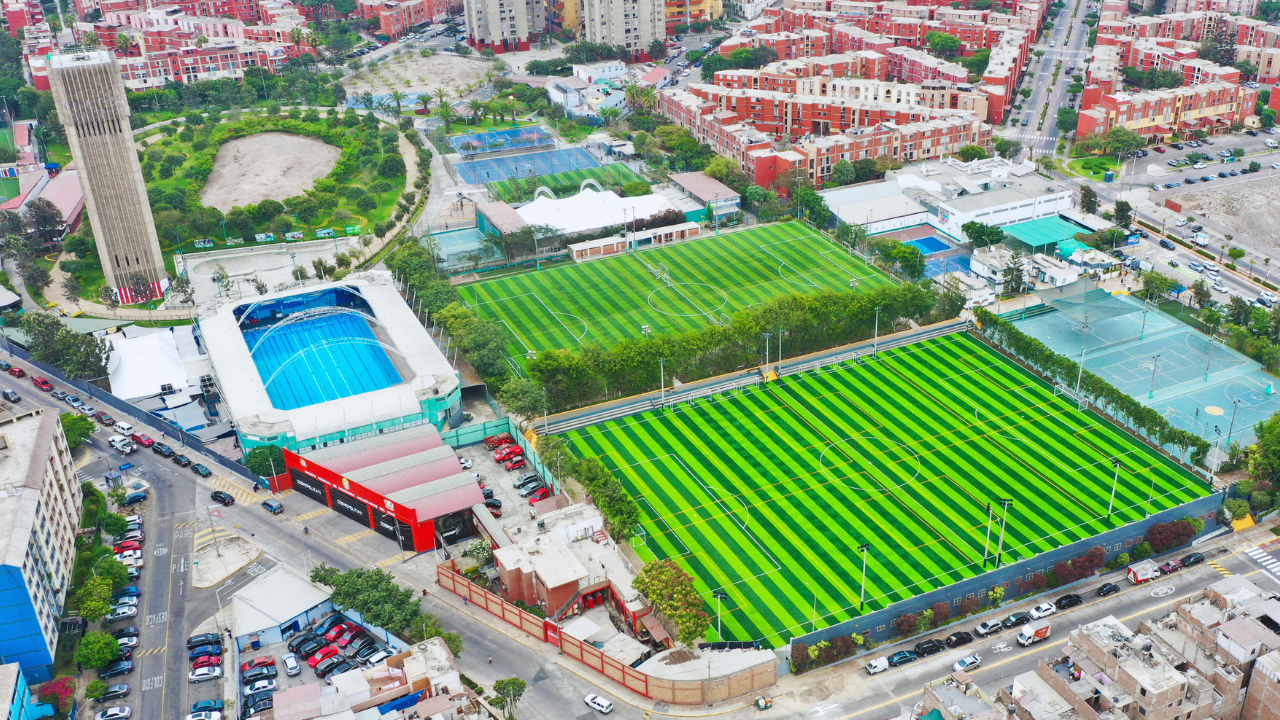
512	191
606	301
767	493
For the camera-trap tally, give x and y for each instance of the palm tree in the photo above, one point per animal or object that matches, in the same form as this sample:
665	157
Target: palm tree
124	44
478	109
497	107
398	97
510	107
610	114
424	100
442	96
447	114
295	36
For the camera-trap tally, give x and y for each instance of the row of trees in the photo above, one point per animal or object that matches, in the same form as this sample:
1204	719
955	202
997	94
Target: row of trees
742	58
28	236
1063	370
77	355
670	591
375	594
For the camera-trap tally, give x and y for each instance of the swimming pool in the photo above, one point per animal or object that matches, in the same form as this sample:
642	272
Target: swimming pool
928	245
319	360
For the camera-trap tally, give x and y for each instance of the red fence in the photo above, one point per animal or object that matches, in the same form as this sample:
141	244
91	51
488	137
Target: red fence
683	692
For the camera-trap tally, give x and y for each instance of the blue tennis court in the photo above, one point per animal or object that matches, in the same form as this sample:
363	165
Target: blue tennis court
318	360
498	140
476	172
928	245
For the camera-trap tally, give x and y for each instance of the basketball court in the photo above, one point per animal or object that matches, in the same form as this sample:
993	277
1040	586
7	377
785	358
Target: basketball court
475	172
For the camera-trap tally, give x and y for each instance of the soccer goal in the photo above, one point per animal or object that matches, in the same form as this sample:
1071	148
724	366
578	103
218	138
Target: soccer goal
1060	389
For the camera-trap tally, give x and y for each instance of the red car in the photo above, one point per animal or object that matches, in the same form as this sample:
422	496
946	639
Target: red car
507	452
206	661
539	494
515	463
323	655
264	661
142	440
1159	148
42	383
336	631
495	512
128	545
350	636
494	442
17	372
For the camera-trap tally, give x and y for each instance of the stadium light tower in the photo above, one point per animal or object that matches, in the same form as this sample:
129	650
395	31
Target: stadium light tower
1114	481
1155	363
862	594
986	544
662	380
1232	426
1005	503
719	596
875	339
766	351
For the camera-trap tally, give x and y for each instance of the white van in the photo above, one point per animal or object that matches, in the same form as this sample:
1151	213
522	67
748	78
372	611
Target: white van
1271	143
123	428
121	443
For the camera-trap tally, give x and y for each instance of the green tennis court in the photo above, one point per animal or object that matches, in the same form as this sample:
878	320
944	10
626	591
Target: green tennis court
768	492
606	301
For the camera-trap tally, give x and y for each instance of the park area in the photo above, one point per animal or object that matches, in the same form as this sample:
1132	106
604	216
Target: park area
669	289
767	493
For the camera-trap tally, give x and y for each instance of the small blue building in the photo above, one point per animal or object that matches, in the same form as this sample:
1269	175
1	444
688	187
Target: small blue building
14	689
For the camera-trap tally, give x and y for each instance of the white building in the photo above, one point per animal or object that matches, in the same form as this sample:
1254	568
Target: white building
632	24
504	25
39	513
595	72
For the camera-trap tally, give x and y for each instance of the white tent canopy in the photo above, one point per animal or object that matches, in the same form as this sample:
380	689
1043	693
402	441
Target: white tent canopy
590	209
138	367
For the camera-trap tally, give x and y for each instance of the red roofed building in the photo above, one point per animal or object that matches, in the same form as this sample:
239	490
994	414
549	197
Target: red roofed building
65	193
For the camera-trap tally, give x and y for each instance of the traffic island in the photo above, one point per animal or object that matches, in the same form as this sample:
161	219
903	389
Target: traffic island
216	561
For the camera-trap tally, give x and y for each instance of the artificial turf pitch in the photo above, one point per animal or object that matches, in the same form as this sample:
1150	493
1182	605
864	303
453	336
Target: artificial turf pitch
767	493
606	301
615	174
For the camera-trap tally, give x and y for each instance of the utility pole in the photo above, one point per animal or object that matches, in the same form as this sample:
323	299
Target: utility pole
766	351
719	596
875	341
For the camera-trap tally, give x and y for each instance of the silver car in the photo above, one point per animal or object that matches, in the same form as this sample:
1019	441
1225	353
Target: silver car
291	665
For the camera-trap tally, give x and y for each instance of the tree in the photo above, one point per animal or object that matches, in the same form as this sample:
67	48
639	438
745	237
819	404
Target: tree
181	289
942	43
1007	149
670	590
96	688
391	166
107	296
1267	117
981	235
1155	284
996	595
969	153
94	597
907	624
510	689
114	524
1122	140
1255	166
373	593
1088	200
265	461
524	397
447	116
1068	120
1201	293
1124	213
71	288
111	570
44	219
77	428
1235	254
97	650
1015	278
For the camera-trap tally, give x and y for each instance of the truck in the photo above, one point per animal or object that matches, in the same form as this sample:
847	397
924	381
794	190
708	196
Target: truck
878	665
1033	632
1144	571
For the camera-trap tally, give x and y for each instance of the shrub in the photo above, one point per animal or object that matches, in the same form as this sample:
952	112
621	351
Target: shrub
366	203
59	692
1142	551
941	614
799	657
907	624
1260	502
970	606
1162	536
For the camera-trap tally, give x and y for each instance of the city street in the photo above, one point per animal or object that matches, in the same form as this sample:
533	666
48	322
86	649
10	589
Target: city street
1070	51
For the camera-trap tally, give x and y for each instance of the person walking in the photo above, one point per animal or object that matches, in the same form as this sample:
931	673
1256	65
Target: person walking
490	659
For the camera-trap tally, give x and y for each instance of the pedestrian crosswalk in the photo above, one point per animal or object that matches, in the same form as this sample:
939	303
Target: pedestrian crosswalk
208	535
354	537
313	513
1264	559
1223	571
398	557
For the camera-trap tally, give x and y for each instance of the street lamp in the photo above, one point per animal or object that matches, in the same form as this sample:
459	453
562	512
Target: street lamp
662	380
875	342
1155	363
1232	426
986	544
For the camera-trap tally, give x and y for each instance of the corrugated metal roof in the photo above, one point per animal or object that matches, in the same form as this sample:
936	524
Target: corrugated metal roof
408	495
450	501
491	525
406	462
395	482
703	186
371	451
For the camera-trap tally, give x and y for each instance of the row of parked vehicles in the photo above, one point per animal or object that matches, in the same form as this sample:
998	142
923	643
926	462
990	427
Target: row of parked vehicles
125	602
511	456
1034	623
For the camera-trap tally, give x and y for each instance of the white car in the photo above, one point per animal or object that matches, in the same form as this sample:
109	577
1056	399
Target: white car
1275	166
1043	610
260	686
127	642
204	673
595	702
129	555
88	410
466	463
1199	166
133	519
121	614
967	663
1219	287
1183	223
988	627
205	715
1268	295
124	601
114	713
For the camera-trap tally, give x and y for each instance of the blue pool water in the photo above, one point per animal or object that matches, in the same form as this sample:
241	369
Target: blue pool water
323	359
928	245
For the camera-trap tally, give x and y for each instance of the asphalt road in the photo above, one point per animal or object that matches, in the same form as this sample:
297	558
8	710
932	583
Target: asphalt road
1070	51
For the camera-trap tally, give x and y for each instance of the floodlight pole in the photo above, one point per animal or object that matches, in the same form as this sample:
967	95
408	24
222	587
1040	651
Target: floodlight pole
719	595
986	544
1155	363
1115	481
862	594
1004	521
766	351
875	341
1084	336
1208	362
662	380
1232	426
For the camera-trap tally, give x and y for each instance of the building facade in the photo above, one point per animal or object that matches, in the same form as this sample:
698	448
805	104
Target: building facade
632	24
39	515
504	25
89	96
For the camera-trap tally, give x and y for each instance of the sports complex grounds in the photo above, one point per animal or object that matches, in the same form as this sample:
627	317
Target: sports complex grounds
669	289
767	492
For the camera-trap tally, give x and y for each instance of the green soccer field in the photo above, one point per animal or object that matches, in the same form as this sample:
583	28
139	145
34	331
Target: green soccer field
606	301
768	492
615	174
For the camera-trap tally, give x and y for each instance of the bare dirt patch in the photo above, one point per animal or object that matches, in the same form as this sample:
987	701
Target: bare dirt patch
266	165
409	72
1248	209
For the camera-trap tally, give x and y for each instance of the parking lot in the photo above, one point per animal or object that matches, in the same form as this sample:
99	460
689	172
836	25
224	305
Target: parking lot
501	481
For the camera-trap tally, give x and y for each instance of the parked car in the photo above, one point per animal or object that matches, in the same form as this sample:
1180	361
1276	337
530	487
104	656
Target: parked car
1170	567
275	507
337	630
902	657
1069	601
163	450
298	640
119	712
1016	619
988	627
204	673
291	665
595	702
206	661
201	470
131	631
328	664
539	495
328	623
181	460
351	635
60	395
531	488
929	647
205	715
1108	589
196	641
309	648
11	396
956	639
222	498
1043	610
264	661
342	667
128	545
321	656
967	663
525	479
17	372
256	708
260	686
256	674
44	385
123	613
115	669
205	650
507	452
115	692
206	705
1192	560
127	642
